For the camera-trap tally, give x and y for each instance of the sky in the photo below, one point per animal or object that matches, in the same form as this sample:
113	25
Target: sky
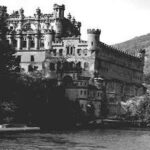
119	20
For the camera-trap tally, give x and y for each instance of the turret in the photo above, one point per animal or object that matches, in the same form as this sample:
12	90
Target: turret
93	38
58	11
49	35
21	14
58	16
69	16
38	13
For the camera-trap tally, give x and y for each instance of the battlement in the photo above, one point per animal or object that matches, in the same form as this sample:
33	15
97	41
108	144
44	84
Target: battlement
49	31
119	51
56	6
93	31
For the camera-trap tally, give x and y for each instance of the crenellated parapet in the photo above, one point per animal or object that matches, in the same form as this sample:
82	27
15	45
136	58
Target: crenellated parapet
58	11
56	6
93	31
120	52
93	38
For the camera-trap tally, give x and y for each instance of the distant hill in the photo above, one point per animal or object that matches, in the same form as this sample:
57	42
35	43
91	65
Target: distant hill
132	45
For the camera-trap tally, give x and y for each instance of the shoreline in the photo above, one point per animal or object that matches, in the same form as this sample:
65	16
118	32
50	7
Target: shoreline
19	129
105	124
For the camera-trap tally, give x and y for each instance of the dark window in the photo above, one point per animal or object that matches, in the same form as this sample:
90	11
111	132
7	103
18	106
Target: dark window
67	50
81	92
92	43
79	51
52	66
84	92
32	58
24	43
60	52
15	43
32	43
18	58
71	50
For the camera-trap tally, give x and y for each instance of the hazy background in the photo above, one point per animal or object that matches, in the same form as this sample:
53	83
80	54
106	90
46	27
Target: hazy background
119	20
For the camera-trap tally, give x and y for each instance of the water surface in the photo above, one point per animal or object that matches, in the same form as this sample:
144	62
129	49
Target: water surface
77	140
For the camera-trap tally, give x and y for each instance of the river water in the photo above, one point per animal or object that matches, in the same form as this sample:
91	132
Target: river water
77	140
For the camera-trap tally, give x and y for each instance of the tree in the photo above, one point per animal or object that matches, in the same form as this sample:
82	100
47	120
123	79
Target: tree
8	67
8	62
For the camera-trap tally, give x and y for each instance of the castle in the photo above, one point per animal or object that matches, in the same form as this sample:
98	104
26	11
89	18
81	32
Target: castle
52	43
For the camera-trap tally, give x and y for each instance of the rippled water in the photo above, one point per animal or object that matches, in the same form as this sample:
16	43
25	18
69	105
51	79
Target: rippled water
77	140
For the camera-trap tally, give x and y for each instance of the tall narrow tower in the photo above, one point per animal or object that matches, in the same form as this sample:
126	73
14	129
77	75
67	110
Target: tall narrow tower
58	11
48	39
58	16
93	38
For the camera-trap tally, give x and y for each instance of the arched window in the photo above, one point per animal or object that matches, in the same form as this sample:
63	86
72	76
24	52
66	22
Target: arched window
32	43
67	48
79	52
24	43
71	50
32	58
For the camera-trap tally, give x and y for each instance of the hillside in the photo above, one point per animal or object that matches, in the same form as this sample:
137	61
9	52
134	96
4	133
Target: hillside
132	45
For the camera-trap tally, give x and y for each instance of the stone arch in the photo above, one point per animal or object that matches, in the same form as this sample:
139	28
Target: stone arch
28	26
67	80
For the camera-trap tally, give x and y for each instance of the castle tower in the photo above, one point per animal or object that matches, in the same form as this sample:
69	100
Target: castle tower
93	38
21	14
58	28
37	16
58	11
49	35
58	16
